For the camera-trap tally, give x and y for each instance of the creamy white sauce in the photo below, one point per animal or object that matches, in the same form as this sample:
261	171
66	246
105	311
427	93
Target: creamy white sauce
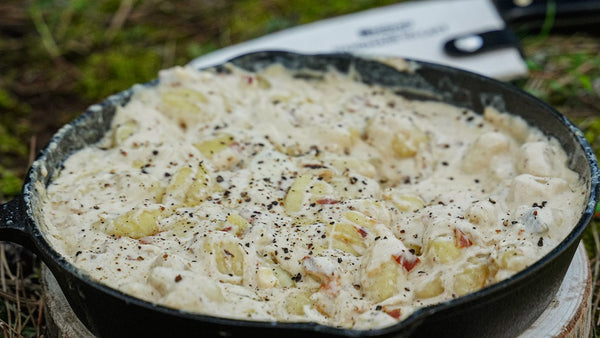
271	197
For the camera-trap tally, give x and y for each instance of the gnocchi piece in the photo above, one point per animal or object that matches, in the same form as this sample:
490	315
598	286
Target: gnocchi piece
525	188
370	212
262	82
321	192
266	278
174	284
241	224
513	259
123	131
480	155
470	279
382	282
347	237
136	223
384	273
296	302
335	139
215	145
404	201
431	288
443	250
539	159
354	165
187	295
189	186
308	190
516	128
482	213
351	234
360	219
295	197
228	257
355	186
183	105
283	277
407	145
272	275
397	133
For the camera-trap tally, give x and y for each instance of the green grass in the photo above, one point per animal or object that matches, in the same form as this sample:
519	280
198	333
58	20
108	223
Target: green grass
58	57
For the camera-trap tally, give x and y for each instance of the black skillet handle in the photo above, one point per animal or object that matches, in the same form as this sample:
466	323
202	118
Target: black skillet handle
12	223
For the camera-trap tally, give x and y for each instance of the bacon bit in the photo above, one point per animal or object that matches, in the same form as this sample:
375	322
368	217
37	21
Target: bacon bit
408	261
249	79
327	201
330	281
332	286
178	278
395	313
362	232
226	229
461	239
236	146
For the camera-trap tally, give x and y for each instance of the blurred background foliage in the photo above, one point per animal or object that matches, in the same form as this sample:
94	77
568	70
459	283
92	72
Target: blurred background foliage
59	56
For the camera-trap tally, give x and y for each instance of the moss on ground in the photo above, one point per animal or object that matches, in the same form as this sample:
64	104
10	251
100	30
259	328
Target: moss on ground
112	71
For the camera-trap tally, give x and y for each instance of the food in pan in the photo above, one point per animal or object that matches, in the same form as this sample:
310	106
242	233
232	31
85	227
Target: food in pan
304	196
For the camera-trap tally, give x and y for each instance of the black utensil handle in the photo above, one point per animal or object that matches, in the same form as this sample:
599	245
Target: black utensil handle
12	223
471	44
566	14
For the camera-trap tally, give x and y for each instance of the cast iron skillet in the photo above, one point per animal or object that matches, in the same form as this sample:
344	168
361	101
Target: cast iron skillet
503	309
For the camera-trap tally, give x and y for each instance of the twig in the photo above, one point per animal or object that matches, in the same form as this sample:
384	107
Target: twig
10	297
19	276
4	288
32	144
8	327
40	316
65	20
169	53
44	31
118	19
549	19
596	268
5	267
